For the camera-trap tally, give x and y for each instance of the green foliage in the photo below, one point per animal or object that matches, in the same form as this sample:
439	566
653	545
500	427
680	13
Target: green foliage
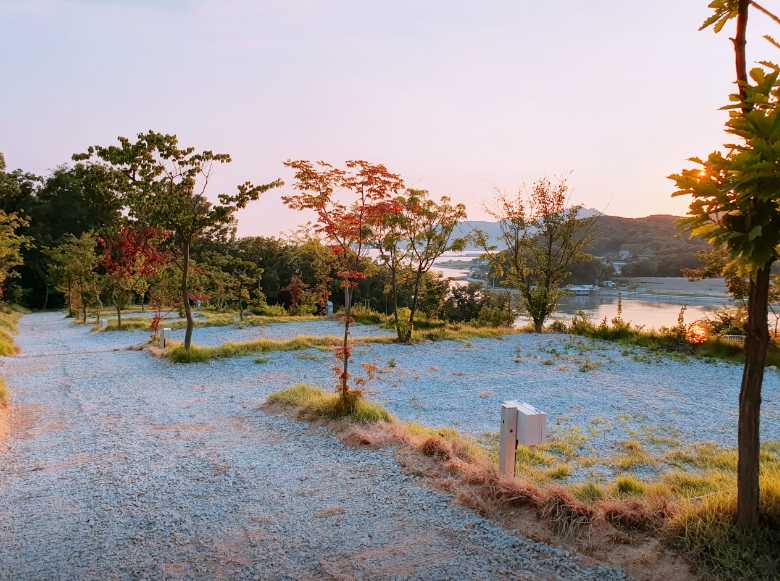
543	238
11	245
736	195
72	200
163	186
72	268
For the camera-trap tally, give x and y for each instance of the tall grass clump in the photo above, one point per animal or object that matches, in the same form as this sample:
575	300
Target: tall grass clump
9	319
315	403
5	395
705	529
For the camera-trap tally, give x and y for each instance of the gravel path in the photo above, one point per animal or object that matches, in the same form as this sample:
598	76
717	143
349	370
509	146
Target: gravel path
123	466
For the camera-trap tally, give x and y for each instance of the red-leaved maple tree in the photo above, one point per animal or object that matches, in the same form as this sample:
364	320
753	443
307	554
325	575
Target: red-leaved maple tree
131	258
348	202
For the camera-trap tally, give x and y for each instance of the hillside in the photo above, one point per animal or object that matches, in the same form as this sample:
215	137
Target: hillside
650	246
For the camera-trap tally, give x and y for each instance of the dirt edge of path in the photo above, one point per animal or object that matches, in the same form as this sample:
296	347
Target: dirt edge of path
640	554
5	424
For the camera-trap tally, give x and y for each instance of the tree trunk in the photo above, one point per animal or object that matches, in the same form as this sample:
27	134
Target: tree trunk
70	299
740	42
394	286
46	297
118	316
756	345
185	295
413	310
345	344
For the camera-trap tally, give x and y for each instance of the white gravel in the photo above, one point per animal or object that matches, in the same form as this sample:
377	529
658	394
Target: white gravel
123	466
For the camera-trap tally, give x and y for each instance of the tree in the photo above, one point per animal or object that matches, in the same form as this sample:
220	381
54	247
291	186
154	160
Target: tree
543	237
295	292
11	245
72	200
75	261
736	206
428	227
164	186
131	258
347	227
389	240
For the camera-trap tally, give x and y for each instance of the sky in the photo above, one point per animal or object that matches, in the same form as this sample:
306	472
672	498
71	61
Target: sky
460	98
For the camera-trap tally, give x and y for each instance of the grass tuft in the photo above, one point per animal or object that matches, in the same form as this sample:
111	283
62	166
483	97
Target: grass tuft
628	485
316	403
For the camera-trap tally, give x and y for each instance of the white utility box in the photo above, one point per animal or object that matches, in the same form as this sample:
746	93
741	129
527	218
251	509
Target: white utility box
521	423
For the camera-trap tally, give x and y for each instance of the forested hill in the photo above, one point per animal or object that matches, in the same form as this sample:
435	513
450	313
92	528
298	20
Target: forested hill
650	246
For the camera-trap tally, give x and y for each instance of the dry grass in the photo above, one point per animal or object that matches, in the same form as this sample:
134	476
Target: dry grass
9	321
5	395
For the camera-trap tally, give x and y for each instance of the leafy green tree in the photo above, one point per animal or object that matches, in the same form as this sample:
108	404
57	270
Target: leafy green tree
75	262
164	186
428	227
544	237
736	206
72	200
11	245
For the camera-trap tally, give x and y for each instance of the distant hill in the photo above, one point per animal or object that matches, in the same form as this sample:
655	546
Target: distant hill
649	246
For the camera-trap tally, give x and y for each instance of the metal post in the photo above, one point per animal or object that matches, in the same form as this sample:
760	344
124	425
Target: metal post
507	451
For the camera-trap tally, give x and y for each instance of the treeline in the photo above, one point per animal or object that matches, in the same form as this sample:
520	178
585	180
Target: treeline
89	238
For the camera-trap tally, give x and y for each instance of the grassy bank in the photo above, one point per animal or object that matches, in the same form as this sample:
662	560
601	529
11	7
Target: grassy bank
208	319
9	322
690	508
176	353
665	341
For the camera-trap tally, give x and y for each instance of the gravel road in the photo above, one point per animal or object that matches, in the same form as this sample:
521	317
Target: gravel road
121	466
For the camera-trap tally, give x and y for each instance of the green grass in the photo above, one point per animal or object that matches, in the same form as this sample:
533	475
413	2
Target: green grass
178	354
128	324
705	529
628	485
664	341
316	403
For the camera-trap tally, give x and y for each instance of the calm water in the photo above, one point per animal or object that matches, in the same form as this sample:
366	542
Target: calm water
640	308
650	312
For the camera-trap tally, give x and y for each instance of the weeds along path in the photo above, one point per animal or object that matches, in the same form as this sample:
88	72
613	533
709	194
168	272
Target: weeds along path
120	465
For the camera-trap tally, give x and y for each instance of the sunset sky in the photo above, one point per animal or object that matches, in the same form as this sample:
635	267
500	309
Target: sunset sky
460	98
